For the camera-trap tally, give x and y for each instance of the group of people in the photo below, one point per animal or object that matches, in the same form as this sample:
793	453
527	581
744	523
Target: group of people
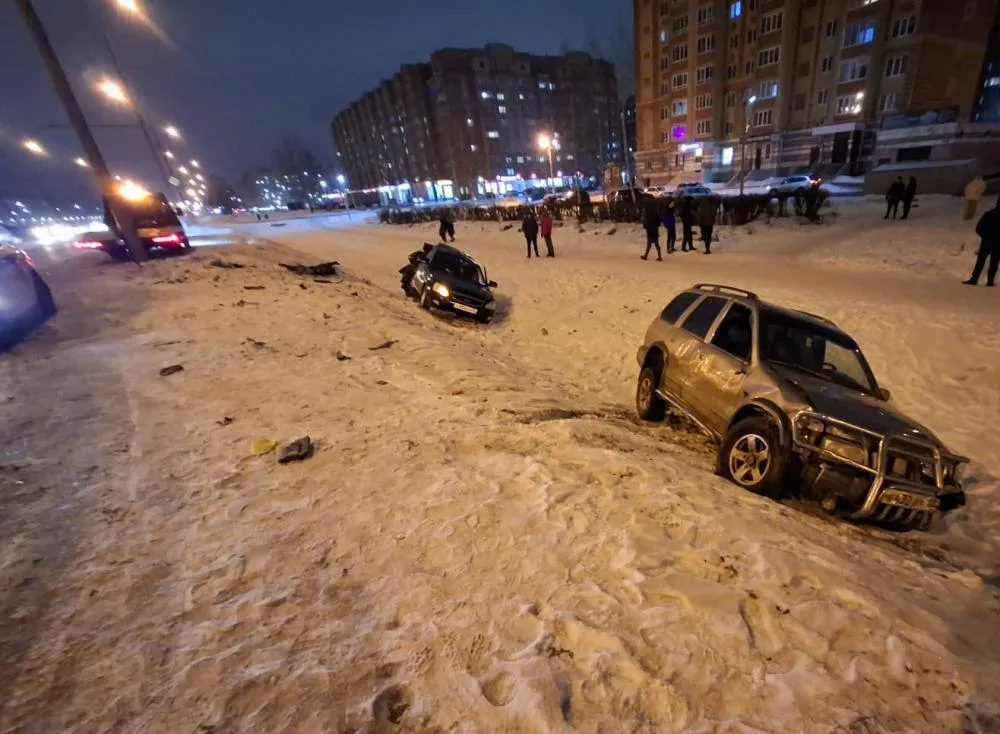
900	193
532	226
666	213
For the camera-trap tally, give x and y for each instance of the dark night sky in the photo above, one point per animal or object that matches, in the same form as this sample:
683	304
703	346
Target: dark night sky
238	75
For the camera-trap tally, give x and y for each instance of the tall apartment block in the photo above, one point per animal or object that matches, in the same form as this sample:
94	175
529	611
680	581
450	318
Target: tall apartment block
832	86
469	122
987	107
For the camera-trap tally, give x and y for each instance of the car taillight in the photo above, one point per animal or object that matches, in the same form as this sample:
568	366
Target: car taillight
87	245
167	239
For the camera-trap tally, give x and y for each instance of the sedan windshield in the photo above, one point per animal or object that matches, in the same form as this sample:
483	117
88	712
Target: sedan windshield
808	347
458	267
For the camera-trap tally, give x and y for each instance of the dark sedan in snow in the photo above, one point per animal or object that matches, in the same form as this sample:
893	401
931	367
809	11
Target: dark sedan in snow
447	279
25	300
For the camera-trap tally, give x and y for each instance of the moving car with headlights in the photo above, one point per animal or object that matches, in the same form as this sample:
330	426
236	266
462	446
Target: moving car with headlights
797	185
793	405
448	279
25	300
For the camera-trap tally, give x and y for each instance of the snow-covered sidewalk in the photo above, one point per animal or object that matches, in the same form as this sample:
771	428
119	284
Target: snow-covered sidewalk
486	538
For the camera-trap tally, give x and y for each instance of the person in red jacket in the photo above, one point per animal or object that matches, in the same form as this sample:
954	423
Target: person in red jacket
545	226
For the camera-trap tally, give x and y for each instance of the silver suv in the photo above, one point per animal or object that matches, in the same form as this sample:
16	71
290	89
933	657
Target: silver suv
794	406
797	185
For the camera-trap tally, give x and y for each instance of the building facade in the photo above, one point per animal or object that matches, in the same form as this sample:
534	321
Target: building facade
987	108
779	86
469	122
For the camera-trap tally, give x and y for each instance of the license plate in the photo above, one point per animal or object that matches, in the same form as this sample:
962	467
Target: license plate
910	501
465	309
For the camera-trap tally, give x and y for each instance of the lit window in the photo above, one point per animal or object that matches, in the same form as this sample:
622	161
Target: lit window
552	85
993	81
486	95
543	85
663	35
468	121
502	110
681	107
767	88
857	34
501	97
492	134
520	159
472	148
736	9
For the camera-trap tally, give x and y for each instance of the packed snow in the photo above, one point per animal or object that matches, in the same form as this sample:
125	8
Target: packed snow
487	538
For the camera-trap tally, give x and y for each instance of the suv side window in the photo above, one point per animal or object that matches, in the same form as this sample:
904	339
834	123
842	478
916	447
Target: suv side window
701	319
677	307
735	332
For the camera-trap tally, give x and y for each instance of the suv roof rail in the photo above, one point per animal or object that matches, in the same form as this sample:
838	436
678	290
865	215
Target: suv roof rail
716	288
824	319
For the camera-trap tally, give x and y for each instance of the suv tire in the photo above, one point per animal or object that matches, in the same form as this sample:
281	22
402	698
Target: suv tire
752	457
650	406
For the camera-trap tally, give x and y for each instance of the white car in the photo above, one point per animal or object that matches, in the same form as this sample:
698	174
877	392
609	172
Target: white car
797	185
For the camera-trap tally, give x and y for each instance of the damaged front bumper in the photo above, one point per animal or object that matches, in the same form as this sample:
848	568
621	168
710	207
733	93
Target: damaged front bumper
894	478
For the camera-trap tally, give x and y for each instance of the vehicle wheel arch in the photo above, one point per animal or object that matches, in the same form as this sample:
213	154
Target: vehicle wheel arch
764	409
656	357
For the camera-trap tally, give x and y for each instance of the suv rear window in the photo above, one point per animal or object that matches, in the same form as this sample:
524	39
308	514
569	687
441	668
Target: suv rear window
702	318
677	307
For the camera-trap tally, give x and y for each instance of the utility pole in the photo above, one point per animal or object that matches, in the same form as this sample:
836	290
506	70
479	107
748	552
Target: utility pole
123	217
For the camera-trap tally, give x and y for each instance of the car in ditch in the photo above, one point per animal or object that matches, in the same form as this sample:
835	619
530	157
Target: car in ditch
794	407
25	298
444	278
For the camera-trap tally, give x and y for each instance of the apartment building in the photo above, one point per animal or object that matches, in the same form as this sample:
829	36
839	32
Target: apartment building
470	121
987	107
777	86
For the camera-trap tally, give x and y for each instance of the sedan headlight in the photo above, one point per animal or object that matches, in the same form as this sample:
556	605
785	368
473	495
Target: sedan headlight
442	290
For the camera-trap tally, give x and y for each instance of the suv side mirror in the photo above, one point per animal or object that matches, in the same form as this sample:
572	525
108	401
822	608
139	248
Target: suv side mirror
884	393
492	284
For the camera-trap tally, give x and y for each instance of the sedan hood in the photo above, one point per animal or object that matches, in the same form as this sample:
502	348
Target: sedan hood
457	285
850	406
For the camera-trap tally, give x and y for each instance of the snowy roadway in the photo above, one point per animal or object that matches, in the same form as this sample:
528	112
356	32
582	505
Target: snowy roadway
486	539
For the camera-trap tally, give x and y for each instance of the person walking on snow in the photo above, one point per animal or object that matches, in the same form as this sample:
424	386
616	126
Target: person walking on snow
669	220
988	229
545	225
529	226
687	225
908	195
706	220
974	191
447	228
651	223
893	196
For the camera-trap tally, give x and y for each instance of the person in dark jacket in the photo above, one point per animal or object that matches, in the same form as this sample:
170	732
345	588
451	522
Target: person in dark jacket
406	272
669	221
707	207
687	224
988	229
447	228
529	227
908	195
893	196
651	223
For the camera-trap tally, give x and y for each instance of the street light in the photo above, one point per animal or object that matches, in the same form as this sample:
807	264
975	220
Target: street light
183	170
81	162
131	191
172	132
195	163
743	138
168	154
340	179
547	143
113	91
129	6
33	146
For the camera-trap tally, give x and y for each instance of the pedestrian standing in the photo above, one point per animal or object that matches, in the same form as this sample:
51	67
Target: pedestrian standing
545	226
707	208
651	223
894	195
669	220
909	193
687	225
974	191
447	228
529	227
988	230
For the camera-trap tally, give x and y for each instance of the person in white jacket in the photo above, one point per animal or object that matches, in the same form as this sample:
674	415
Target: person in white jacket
974	191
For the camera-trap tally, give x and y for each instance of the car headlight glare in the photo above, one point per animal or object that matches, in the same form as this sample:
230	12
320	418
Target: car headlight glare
442	290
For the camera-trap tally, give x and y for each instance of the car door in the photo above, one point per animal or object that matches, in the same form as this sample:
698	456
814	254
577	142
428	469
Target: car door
685	346
17	287
716	384
423	272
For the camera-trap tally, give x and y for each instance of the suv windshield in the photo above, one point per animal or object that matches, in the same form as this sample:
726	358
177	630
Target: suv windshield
458	267
810	348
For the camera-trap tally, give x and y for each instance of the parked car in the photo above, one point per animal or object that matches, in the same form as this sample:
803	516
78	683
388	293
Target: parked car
797	185
793	405
627	195
693	190
444	278
25	299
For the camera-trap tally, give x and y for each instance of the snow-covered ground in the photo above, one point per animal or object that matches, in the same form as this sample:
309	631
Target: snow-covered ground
486	538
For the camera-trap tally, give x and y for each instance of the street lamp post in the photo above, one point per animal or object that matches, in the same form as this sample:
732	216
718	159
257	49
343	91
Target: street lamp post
63	90
547	143
743	139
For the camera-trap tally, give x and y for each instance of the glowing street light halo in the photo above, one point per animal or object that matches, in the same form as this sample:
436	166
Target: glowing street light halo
80	161
172	131
33	146
113	90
